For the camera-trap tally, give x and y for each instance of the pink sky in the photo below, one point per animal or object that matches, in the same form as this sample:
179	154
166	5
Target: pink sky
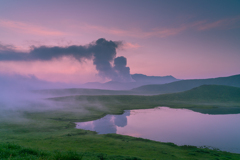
159	39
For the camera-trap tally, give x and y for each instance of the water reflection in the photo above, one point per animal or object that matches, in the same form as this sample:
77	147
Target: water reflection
180	126
107	124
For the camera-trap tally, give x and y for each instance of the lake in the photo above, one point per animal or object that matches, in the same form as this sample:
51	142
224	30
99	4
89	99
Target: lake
179	126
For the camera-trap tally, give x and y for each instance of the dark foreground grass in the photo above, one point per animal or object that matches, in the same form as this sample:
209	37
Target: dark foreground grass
100	147
16	152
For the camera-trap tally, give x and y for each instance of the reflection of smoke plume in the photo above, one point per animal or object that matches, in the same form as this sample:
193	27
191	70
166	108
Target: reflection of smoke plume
102	52
105	125
121	120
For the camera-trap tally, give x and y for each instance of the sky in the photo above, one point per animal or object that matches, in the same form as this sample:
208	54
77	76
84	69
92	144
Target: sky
186	39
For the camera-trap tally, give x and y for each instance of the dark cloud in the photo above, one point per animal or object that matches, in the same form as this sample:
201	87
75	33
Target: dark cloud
44	53
6	47
123	72
102	52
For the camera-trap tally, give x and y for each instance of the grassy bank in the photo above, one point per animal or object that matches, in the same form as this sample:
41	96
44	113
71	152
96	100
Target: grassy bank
53	132
69	143
50	132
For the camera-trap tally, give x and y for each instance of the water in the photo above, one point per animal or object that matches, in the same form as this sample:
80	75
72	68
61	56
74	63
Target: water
179	126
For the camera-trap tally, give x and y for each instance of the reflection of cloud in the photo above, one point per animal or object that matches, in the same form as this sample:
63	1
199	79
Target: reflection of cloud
107	124
121	120
29	28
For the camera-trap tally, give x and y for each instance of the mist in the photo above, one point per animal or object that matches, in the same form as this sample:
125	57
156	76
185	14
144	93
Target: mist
19	95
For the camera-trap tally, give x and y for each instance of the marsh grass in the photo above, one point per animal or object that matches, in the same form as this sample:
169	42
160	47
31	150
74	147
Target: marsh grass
15	152
51	134
47	142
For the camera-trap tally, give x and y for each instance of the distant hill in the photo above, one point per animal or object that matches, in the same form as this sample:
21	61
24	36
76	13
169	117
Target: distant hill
153	79
184	85
82	91
211	99
139	80
121	88
205	93
111	87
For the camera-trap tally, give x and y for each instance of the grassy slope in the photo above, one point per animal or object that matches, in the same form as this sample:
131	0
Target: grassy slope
54	129
205	93
184	85
109	146
202	99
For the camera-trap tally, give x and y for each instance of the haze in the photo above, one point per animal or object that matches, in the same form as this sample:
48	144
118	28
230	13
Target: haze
185	39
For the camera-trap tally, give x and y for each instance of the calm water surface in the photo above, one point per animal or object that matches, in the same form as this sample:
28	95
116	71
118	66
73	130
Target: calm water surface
179	126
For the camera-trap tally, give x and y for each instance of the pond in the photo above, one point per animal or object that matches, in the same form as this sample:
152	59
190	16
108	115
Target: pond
179	126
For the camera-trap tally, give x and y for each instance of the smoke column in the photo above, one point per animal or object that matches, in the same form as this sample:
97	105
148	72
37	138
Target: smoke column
102	52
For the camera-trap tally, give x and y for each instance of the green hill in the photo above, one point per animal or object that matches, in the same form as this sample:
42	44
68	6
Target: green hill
184	85
205	93
206	96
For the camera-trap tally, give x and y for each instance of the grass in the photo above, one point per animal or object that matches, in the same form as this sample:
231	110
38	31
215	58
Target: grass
211	99
42	136
16	152
79	145
51	133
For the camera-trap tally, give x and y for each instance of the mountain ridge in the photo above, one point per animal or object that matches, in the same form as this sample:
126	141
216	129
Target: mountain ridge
139	80
184	85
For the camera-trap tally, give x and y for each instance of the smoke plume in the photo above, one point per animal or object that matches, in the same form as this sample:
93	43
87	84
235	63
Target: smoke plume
123	72
102	52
